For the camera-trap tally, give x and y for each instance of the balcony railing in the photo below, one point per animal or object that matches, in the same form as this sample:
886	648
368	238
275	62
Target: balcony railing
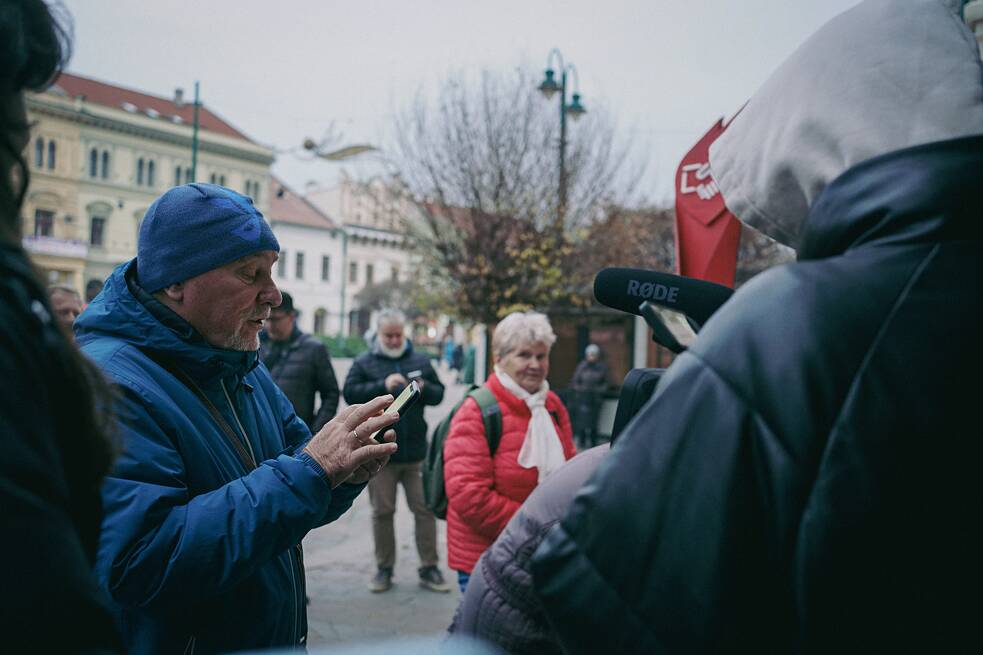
56	247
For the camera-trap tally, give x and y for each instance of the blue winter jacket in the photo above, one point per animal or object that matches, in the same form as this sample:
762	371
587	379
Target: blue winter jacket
200	553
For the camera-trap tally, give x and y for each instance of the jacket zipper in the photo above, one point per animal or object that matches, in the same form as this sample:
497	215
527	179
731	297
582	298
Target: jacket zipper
293	567
232	406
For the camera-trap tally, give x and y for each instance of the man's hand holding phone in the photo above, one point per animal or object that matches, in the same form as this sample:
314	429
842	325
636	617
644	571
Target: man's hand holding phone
394	382
343	447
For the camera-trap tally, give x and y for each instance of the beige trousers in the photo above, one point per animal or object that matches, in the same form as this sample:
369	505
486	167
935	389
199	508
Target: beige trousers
382	495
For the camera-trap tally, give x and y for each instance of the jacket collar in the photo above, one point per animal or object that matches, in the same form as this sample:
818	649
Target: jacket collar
922	194
125	311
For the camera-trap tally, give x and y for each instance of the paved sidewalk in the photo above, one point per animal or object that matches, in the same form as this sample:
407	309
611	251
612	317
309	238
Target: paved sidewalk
339	563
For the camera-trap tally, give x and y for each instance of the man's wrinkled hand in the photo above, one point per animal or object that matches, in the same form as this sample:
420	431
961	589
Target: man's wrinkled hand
345	445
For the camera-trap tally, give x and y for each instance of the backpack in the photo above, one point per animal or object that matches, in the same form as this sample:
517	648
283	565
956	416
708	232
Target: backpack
433	465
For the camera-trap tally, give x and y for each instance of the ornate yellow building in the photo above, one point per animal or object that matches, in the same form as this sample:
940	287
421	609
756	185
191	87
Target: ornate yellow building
99	156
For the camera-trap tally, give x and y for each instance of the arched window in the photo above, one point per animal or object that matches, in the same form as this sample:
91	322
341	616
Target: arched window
140	171
150	173
105	164
39	152
93	163
51	155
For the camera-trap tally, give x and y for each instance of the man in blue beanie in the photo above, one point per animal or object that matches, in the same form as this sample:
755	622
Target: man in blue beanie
218	480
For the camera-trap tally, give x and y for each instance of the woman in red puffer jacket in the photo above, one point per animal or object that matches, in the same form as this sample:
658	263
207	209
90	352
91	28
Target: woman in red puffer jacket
484	491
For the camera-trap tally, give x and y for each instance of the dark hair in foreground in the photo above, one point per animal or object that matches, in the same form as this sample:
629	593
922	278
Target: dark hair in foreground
34	47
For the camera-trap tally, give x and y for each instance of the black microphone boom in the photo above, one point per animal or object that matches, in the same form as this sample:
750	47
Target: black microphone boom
627	288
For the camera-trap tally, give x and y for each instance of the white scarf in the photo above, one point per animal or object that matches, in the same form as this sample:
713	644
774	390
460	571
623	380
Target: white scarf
542	447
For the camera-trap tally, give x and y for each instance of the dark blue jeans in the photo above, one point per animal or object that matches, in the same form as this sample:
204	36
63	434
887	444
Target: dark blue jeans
462	580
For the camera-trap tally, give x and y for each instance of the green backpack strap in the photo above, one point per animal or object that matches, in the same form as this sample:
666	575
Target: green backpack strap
491	416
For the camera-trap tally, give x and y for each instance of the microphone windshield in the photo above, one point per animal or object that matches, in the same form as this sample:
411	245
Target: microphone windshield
626	289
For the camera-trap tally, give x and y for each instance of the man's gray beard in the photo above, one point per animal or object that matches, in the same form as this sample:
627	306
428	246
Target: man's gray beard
241	343
392	353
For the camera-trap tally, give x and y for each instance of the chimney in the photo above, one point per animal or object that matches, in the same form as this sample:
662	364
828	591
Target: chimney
179	97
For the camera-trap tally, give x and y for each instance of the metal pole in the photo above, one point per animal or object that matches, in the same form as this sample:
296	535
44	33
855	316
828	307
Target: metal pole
561	210
344	277
194	140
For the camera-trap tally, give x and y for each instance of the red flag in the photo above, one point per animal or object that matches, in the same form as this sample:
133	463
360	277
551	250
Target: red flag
707	234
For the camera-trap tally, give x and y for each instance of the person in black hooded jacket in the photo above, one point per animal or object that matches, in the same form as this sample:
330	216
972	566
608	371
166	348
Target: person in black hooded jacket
388	367
805	477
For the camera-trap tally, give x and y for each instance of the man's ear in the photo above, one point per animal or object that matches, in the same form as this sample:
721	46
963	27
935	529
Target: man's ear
174	292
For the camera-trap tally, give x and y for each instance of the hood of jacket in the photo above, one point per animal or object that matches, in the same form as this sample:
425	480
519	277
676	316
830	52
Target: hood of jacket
125	312
844	97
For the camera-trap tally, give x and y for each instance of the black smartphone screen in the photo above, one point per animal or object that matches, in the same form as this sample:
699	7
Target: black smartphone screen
403	401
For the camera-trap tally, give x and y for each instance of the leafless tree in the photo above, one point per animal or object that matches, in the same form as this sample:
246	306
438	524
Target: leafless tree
480	164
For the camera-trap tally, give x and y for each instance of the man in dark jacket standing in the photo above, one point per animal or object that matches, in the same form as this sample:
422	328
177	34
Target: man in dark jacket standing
218	480
806	476
300	365
387	368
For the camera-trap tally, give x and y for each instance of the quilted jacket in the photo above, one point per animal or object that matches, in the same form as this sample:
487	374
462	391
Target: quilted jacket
483	492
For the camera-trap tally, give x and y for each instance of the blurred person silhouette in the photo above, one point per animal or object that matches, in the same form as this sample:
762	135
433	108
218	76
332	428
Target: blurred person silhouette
300	365
55	407
805	477
66	305
218	480
485	489
590	381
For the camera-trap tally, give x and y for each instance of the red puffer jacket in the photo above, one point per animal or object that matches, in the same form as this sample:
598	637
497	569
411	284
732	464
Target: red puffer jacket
484	492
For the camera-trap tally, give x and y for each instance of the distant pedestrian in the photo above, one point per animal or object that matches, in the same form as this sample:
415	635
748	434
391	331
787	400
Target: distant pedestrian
484	491
66	305
300	365
590	381
387	368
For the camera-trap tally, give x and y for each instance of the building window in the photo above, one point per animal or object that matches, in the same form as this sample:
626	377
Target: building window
394	274
213	179
105	164
97	230
325	268
187	175
140	171
93	163
221	180
281	265
256	192
353	272
299	266
44	223
150	173
177	176
369	273
249	188
39	153
51	155
320	318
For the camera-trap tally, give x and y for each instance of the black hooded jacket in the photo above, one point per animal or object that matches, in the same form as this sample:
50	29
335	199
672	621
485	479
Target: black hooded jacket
806	476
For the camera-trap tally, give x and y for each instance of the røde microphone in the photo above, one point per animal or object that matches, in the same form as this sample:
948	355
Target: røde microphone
627	288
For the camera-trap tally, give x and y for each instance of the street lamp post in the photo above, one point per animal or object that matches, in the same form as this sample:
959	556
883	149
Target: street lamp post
548	87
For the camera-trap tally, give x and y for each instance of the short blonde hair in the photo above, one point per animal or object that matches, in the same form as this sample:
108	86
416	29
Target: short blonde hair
520	328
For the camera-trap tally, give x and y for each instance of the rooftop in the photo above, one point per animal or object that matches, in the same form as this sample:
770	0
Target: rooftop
288	207
174	110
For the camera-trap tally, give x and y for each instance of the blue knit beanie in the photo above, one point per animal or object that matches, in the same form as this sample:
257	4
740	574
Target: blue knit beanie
194	228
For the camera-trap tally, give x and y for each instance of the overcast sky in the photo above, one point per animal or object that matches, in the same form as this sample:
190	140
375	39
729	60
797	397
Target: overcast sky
286	69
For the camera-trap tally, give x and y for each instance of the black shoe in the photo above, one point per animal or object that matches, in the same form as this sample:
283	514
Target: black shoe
431	578
381	581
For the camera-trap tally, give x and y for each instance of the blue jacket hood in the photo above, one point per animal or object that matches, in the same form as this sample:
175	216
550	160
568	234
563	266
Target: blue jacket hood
149	325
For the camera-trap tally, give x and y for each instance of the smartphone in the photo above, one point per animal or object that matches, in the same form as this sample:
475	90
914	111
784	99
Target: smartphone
404	401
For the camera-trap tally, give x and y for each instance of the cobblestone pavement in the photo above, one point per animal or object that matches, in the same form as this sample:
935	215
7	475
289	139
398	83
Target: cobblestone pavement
339	563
